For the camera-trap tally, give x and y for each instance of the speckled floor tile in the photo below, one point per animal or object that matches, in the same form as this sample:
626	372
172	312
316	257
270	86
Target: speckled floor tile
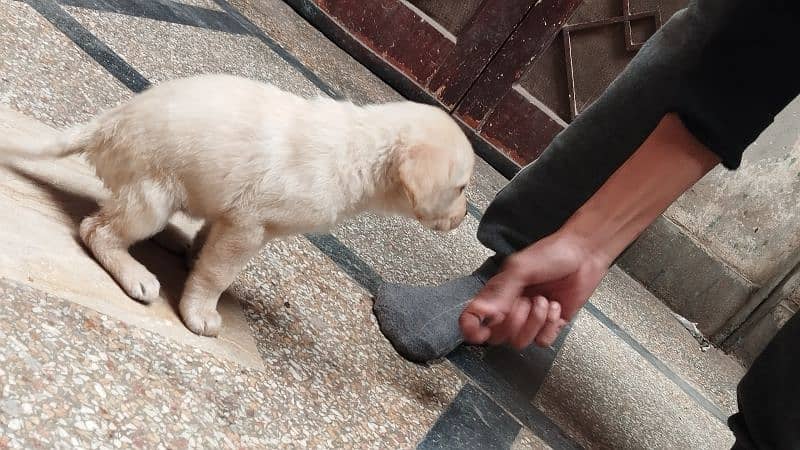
38	246
162	51
526	440
486	183
607	396
652	324
322	375
310	46
329	378
401	250
313	323
34	58
208	4
73	378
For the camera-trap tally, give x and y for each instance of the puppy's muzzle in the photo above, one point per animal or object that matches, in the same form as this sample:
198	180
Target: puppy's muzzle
445	224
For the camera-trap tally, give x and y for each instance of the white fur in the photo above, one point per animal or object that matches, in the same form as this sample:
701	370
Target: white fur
256	163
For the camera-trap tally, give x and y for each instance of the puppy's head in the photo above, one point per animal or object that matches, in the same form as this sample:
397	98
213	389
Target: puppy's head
434	165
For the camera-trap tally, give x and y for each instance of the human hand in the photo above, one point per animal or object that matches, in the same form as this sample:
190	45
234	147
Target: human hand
544	285
537	291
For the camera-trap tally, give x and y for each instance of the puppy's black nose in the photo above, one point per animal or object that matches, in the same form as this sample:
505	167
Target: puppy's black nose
466	212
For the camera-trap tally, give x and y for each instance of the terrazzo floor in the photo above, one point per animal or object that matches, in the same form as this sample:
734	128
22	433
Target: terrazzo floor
300	362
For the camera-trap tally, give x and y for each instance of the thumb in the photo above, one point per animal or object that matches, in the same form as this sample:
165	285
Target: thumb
539	263
489	307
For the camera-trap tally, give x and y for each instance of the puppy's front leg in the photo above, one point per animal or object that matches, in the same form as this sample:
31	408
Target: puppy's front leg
228	248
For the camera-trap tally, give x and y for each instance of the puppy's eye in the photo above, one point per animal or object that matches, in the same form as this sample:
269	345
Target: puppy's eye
461	189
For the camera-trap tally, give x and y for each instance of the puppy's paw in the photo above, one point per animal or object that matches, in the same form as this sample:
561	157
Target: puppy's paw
203	322
140	284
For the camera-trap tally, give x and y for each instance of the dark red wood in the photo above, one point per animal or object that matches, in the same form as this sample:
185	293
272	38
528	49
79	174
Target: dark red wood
395	32
421	59
519	129
536	31
478	42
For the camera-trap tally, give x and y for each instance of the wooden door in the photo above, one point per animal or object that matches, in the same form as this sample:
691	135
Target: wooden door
513	72
540	81
435	47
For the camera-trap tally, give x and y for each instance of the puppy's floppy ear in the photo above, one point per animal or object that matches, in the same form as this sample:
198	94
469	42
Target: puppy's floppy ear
415	172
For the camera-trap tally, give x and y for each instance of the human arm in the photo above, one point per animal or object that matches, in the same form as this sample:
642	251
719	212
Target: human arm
542	286
716	75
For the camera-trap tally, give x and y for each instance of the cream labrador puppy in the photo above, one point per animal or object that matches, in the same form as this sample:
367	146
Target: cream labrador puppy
256	163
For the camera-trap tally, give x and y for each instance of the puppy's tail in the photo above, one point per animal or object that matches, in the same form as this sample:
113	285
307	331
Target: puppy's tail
56	145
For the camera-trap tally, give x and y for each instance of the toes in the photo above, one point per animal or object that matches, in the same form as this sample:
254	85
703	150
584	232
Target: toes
144	287
205	323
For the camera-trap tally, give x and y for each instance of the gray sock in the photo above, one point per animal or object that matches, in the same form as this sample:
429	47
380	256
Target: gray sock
422	322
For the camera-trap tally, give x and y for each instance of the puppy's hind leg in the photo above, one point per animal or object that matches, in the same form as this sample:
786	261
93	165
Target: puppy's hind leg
132	214
174	240
180	243
228	247
197	244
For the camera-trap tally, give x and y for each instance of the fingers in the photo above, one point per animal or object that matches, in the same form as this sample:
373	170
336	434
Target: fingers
546	262
543	325
477	320
570	308
489	308
552	327
522	323
513	323
535	321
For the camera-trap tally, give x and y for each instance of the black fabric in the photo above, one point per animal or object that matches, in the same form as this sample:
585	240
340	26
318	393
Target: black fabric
543	195
743	73
738	425
769	393
726	67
